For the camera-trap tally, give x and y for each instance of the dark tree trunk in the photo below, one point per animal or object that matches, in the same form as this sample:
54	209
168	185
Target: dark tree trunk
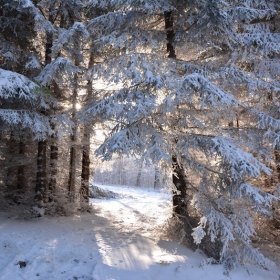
53	152
277	160
58	95
53	169
269	179
85	176
72	169
180	194
73	155
41	170
85	167
178	177
16	168
21	169
41	181
170	34
12	165
73	149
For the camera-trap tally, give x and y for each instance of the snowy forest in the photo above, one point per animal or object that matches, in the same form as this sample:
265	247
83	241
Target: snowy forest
184	91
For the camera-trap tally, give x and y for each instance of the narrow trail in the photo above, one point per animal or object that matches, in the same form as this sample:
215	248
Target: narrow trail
120	240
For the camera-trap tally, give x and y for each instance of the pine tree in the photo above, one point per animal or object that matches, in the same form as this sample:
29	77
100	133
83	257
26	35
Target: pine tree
206	107
176	111
26	27
71	54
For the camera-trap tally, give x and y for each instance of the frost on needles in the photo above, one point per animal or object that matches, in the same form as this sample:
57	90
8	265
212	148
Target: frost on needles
209	110
186	107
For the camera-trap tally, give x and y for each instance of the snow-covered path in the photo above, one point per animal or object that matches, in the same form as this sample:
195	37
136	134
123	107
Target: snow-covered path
118	241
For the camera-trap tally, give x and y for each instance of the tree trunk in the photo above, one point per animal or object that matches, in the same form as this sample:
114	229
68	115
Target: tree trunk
180	194
73	149
16	169
12	170
170	34
54	148
73	156
86	146
157	178
53	168
72	169
178	176
269	179
21	169
41	171
85	166
138	178
41	181
277	161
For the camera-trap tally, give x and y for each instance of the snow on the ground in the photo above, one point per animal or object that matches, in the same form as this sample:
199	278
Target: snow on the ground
118	241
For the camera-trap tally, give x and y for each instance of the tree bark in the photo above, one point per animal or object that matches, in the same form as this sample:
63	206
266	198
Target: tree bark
73	149
54	148
157	178
85	176
21	168
10	178
178	176
170	34
139	173
269	179
73	155
72	169
180	194
41	180
53	168
85	166
41	171
277	160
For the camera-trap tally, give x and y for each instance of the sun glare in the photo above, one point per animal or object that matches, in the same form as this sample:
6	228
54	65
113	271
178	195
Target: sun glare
78	106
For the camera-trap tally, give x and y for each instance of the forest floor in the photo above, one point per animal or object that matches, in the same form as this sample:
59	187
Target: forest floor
120	240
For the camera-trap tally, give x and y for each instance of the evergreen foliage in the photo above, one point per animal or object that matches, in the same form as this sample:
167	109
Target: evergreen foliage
183	108
192	84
